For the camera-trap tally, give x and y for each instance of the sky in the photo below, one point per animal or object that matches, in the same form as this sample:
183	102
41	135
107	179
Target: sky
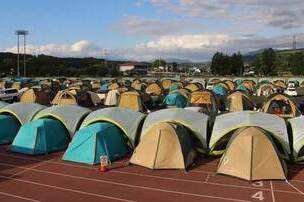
144	30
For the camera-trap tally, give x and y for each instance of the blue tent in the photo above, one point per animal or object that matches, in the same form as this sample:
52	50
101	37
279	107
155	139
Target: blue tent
238	81
243	88
176	99
41	136
9	128
104	87
93	141
220	90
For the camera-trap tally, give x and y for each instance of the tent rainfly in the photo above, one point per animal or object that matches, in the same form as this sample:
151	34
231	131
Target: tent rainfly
225	124
196	122
251	155
126	119
70	116
297	138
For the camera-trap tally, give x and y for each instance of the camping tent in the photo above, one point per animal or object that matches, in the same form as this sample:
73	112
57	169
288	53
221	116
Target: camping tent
297	138
64	97
238	101
251	155
40	137
193	87
9	128
88	99
230	84
281	105
131	100
225	124
175	100
164	146
111	98
35	95
220	90
280	84
154	89
127	120
70	116
196	122
23	112
95	140
166	83
265	89
206	100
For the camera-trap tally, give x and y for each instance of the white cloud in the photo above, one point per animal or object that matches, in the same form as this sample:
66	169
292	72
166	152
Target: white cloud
82	48
195	47
138	26
194	41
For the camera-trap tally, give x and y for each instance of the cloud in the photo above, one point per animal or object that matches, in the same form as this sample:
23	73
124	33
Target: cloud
275	13
191	41
82	48
195	47
138	26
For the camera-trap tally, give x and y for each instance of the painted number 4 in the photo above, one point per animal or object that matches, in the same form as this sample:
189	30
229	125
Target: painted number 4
258	196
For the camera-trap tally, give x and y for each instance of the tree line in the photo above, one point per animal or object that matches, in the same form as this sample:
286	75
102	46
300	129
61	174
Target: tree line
223	64
43	65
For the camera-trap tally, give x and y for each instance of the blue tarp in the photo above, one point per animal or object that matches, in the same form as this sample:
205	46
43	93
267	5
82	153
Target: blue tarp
40	137
176	99
95	140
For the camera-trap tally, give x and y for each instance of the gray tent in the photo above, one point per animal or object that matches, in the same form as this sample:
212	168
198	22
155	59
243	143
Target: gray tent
225	124
194	121
297	137
127	120
24	112
70	115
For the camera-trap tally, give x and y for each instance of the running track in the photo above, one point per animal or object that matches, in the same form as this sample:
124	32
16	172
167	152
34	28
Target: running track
48	178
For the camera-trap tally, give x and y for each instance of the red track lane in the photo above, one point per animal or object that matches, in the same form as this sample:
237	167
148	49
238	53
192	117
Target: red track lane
47	178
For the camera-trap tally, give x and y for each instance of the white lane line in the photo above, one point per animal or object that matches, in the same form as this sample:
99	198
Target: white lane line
272	192
35	166
128	185
66	189
19	197
152	176
295	188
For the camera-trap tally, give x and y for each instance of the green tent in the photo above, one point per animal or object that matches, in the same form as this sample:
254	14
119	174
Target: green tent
9	128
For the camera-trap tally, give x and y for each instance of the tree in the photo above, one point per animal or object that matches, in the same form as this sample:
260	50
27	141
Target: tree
268	61
159	63
296	63
237	64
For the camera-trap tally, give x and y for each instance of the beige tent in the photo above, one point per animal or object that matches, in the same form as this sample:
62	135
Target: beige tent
64	98
154	88
193	87
230	84
113	86
166	83
16	85
164	146
131	100
281	105
280	83
265	89
35	96
251	155
238	101
111	98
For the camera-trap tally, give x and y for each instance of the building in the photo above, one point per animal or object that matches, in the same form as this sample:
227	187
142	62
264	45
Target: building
133	68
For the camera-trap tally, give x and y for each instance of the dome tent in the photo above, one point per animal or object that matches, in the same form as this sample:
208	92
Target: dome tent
164	146
251	155
95	140
50	130
226	124
40	137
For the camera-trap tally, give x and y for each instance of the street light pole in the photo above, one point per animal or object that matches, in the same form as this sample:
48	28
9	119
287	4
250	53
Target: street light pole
22	33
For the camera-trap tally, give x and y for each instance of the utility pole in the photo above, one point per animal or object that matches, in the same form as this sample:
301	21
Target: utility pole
294	42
